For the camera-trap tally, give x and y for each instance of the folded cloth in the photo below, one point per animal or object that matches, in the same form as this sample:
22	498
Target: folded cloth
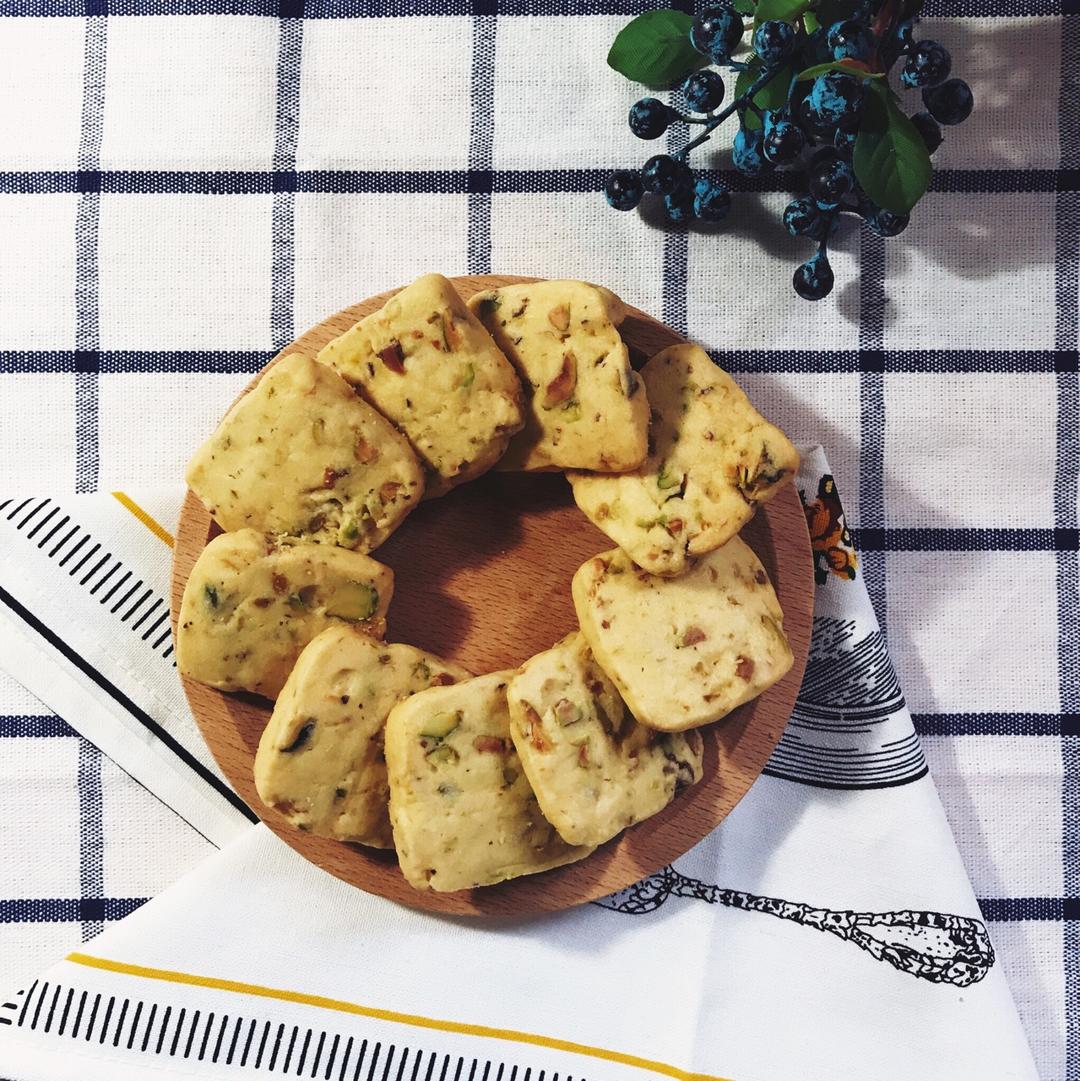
826	930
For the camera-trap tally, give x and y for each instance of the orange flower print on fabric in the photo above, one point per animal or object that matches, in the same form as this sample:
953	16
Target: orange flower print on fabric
829	535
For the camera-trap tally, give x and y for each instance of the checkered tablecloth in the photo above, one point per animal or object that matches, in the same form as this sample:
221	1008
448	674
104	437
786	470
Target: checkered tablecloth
185	185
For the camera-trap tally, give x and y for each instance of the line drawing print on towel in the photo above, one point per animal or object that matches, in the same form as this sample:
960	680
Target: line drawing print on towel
933	946
850	728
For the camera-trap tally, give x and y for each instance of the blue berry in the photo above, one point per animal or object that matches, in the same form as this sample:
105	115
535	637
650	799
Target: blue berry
679	207
844	142
746	153
811	125
623	190
649	118
950	103
850	39
716	32
814	279
835	99
773	40
711	201
664	174
783	142
802	217
704	91
928	64
830	181
929	129
886	223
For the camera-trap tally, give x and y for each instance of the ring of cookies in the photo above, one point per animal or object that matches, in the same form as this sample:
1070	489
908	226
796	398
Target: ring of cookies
475	779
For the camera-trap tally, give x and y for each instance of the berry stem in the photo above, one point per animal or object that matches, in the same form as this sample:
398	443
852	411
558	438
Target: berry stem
740	102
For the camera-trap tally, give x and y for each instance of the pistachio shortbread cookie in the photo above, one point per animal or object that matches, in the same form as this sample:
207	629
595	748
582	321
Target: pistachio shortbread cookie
594	769
320	761
684	651
586	407
463	812
302	455
425	362
713	459
251	604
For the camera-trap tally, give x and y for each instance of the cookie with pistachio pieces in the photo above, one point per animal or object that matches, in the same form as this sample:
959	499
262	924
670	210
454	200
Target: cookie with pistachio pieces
713	459
594	769
462	809
252	603
586	408
684	651
427	364
303	456
320	761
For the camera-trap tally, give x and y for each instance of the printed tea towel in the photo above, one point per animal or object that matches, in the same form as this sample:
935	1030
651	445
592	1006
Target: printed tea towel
826	931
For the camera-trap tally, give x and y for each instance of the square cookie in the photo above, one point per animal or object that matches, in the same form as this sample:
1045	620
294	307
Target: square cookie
585	406
251	604
594	769
427	364
684	651
302	455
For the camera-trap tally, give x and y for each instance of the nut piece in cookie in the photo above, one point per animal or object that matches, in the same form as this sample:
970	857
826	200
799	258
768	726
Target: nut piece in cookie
302	455
251	604
320	761
426	363
462	809
684	651
586	409
713	459
594	769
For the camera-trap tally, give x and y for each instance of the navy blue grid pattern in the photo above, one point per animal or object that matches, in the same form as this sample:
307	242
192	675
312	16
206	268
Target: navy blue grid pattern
871	361
91	909
1066	481
86	245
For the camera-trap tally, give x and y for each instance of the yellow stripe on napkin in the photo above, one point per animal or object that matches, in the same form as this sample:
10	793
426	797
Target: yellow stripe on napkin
415	1020
147	520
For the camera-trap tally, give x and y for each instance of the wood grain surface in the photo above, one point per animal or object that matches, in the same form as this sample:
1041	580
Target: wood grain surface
483	578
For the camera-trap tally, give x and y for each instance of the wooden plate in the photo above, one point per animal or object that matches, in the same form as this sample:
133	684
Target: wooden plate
483	578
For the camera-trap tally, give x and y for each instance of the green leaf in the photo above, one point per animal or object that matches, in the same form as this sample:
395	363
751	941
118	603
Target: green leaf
743	7
785	10
848	67
890	159
655	49
771	96
810	22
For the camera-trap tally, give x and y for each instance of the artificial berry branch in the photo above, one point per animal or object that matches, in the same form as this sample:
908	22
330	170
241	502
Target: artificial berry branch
813	94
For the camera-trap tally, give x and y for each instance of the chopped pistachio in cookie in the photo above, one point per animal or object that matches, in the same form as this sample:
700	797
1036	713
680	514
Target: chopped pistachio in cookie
320	761
594	769
426	363
586	407
302	455
462	809
713	458
252	603
684	651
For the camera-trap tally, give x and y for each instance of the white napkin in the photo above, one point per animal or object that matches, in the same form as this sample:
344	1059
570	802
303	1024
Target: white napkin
825	931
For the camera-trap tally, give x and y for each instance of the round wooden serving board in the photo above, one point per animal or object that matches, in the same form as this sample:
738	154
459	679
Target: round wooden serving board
483	578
